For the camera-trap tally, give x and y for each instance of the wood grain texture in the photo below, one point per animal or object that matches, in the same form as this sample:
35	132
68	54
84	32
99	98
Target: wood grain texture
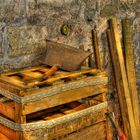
96	49
7	132
7	110
19	118
3	137
66	127
63	127
64	97
130	68
118	83
125	86
94	132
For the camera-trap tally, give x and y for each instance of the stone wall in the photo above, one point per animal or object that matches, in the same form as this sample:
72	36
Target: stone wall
25	23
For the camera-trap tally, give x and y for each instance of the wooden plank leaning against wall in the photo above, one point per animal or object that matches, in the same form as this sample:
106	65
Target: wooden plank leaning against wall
133	133
130	69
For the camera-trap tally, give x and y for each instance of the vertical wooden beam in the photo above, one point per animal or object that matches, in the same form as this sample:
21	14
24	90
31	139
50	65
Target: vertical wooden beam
117	45
118	84
20	119
96	49
130	68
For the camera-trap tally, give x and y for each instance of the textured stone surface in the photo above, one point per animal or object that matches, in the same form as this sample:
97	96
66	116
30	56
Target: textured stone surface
12	10
26	40
109	10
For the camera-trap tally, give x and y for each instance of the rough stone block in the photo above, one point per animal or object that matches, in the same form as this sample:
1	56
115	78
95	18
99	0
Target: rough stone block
19	62
12	10
109	10
42	12
26	40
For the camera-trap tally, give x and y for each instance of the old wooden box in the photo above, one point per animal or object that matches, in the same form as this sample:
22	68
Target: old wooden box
63	120
87	133
20	99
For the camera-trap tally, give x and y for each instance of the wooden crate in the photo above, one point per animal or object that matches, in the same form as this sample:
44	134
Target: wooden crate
48	124
22	94
87	133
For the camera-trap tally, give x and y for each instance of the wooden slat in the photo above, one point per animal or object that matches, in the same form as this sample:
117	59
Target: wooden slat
16	83
43	112
11	88
20	119
94	132
25	70
68	127
70	75
130	67
3	137
7	110
118	83
117	45
98	75
96	49
93	100
32	74
63	75
64	97
7	132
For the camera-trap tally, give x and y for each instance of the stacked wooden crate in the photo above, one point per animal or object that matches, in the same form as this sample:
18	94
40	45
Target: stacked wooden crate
67	105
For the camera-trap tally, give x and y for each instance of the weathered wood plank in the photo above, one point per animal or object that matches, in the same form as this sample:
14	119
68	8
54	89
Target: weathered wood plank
117	45
96	49
19	118
7	110
62	98
25	70
118	83
67	127
22	85
94	100
3	137
130	68
43	112
94	132
10	88
64	76
13	81
7	132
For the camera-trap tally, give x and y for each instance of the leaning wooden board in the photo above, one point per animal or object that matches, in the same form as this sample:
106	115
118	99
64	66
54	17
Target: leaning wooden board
118	84
117	45
130	68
